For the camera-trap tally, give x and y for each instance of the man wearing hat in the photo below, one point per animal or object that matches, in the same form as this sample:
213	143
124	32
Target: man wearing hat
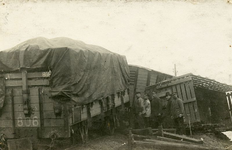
139	110
156	111
176	111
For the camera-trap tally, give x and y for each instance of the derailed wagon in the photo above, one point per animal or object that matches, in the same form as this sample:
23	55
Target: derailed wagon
205	100
140	78
58	87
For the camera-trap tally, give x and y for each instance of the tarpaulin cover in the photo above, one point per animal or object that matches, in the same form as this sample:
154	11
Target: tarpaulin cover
79	71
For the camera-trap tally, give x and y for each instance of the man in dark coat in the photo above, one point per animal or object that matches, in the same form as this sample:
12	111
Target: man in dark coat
156	111
176	111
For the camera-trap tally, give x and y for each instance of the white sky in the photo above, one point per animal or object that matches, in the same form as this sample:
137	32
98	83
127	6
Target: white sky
195	35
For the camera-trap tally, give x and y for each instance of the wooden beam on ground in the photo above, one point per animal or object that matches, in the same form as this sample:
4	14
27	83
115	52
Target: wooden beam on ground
146	131
171	145
168	130
170	140
184	138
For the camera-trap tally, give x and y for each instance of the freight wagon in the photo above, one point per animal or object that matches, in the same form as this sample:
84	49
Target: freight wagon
140	78
204	99
57	88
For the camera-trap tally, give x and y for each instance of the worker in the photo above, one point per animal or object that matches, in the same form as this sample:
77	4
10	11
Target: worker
147	110
139	110
176	111
156	111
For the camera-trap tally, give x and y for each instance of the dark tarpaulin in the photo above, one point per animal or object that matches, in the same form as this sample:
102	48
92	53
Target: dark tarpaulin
78	71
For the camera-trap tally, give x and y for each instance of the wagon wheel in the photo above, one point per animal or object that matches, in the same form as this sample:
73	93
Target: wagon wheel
109	124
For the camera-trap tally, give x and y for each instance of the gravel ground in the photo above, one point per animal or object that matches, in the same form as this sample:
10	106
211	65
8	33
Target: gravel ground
119	142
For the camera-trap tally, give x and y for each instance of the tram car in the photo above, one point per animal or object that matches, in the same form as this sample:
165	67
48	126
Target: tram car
57	88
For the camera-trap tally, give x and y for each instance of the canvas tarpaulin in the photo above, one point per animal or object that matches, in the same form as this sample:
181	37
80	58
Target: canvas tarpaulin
79	71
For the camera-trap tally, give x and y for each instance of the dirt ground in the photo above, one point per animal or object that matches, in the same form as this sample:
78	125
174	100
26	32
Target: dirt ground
118	141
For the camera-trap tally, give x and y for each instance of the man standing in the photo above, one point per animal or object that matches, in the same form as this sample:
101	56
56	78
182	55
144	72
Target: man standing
176	110
156	111
139	110
147	111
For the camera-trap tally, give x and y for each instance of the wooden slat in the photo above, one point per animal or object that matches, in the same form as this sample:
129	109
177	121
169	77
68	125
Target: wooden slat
47	106
8	100
141	80
6	123
173	82
12	106
190	100
183	92
16	90
19	107
179	91
53	122
7	108
41	100
50	114
188	90
38	82
192	114
186	105
20	114
19	100
174	89
195	103
192	89
229	100
148	78
8	131
30	75
186	108
153	78
6	116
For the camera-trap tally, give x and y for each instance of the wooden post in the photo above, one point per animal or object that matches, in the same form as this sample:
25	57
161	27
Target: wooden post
13	110
190	129
25	92
160	130
130	140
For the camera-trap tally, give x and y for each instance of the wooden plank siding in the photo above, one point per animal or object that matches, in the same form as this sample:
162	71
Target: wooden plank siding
13	116
133	82
153	78
185	91
229	103
142	80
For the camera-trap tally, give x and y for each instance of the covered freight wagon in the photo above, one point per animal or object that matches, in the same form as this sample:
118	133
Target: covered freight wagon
204	99
56	87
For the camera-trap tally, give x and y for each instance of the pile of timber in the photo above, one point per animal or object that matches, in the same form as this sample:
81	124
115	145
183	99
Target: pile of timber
163	139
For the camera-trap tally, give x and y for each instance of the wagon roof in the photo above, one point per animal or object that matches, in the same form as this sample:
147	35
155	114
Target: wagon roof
198	81
79	71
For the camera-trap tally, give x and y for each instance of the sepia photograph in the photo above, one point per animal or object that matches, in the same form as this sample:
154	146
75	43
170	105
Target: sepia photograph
115	74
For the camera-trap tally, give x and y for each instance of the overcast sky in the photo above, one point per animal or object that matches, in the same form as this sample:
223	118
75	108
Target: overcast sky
194	35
